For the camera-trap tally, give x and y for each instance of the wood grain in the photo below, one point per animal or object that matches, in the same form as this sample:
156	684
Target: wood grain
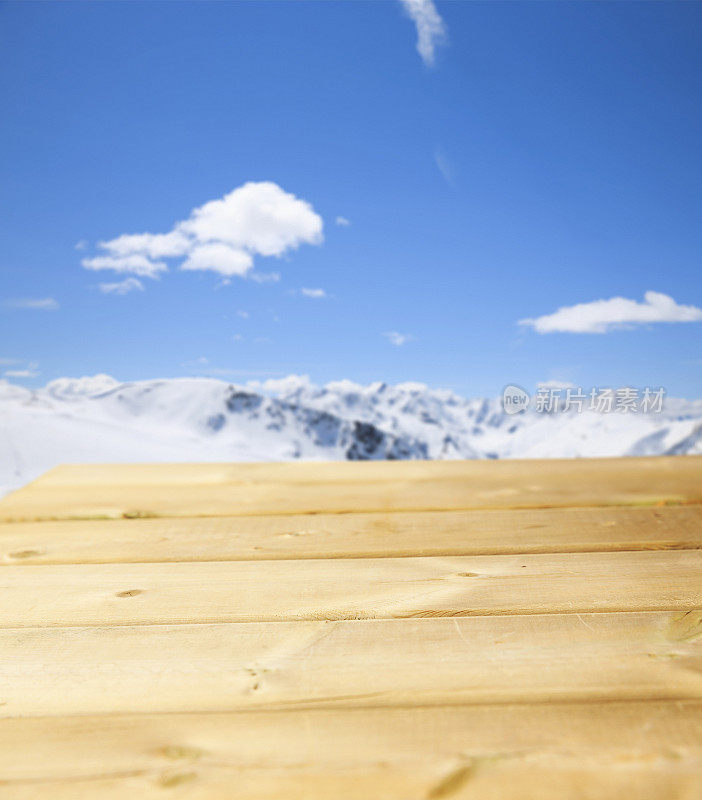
225	667
344	536
519	751
501	778
179	490
334	589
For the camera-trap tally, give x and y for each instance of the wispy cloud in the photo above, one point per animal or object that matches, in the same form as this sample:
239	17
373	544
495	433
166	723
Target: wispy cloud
20	373
243	314
122	287
196	362
225	372
398	339
33	303
555	384
314	294
264	277
28	371
431	30
343	222
602	316
224	236
203	367
444	165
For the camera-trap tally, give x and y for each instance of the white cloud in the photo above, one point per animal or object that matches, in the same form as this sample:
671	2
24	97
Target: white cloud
223	236
33	303
8	362
122	287
152	245
602	316
257	217
398	339
343	222
431	31
81	245
135	263
243	314
218	257
315	294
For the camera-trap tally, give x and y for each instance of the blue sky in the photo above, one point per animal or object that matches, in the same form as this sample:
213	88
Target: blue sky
549	157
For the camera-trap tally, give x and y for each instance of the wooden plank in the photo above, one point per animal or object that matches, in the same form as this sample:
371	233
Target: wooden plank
432	533
503	778
225	489
260	591
331	472
367	663
651	750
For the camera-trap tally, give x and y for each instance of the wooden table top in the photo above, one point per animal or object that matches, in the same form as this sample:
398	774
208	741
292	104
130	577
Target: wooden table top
397	630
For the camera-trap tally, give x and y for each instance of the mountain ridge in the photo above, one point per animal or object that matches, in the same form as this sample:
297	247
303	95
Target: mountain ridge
99	419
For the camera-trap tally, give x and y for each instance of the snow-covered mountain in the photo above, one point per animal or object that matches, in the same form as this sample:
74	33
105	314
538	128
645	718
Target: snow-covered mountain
98	419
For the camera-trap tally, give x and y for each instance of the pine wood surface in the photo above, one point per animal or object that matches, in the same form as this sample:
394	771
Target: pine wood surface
404	630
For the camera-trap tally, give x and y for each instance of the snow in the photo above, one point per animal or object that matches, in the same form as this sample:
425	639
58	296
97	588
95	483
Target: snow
98	419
